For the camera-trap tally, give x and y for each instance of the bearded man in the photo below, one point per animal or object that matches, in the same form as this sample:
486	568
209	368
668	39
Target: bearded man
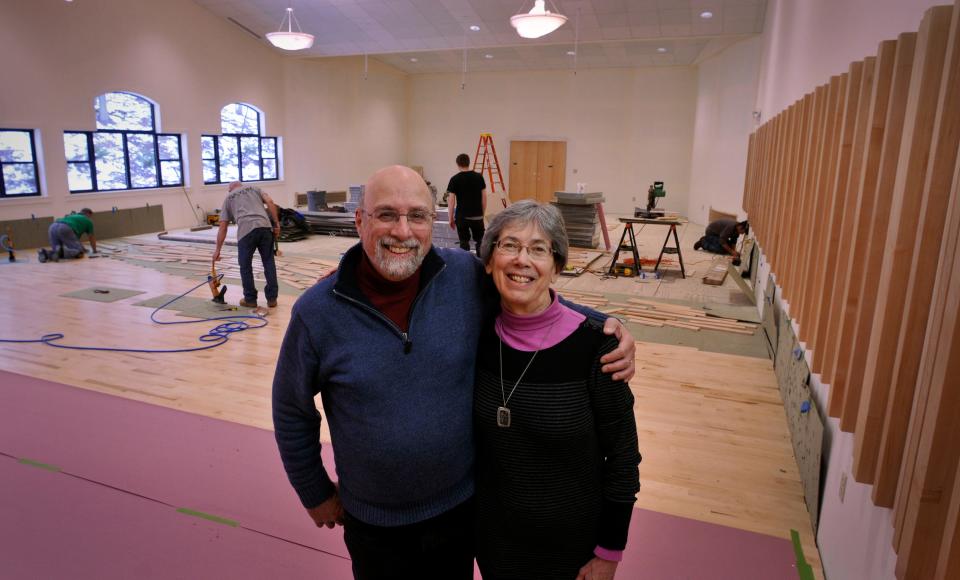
389	342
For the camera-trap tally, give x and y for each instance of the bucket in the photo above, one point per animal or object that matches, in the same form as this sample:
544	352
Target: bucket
316	200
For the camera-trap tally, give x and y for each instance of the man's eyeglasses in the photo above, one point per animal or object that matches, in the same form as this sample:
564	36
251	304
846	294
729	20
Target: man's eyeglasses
536	250
416	217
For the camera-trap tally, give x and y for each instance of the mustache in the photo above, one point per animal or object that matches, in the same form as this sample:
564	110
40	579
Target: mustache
391	241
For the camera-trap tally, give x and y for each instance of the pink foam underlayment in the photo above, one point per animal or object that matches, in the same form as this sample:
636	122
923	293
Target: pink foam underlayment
120	449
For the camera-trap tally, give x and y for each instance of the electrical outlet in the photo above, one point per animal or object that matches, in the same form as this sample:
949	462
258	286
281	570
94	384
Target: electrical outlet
843	486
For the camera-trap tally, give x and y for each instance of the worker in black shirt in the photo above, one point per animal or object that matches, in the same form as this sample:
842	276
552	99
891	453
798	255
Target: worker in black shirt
467	203
721	238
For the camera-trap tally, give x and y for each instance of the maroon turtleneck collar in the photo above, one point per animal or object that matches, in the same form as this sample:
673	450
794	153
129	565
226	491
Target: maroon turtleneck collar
393	299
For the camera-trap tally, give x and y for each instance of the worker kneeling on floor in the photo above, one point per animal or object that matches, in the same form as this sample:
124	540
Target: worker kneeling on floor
721	238
64	235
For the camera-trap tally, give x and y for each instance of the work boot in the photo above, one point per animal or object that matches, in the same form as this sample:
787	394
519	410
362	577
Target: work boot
42	255
272	303
245	304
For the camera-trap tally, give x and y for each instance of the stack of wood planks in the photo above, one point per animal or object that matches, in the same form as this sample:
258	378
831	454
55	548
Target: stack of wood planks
296	271
659	314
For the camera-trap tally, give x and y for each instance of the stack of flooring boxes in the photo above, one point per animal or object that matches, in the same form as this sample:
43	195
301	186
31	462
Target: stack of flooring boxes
355	192
579	211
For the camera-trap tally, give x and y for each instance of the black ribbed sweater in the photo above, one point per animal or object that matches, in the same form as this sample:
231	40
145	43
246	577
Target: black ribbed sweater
563	477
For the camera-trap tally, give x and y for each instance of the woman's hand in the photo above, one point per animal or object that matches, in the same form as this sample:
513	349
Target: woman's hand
598	569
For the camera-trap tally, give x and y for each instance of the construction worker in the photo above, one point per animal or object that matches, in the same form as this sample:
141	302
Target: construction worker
256	230
64	235
467	203
721	237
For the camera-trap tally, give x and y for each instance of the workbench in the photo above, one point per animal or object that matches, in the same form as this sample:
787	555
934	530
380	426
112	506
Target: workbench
629	242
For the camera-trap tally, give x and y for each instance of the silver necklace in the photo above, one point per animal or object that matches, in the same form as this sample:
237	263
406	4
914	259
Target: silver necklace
503	413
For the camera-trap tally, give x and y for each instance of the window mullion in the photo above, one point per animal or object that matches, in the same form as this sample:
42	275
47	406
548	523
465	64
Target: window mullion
92	162
126	160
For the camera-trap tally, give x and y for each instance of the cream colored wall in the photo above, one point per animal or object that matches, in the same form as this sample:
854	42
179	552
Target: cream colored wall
624	128
342	127
726	87
335	127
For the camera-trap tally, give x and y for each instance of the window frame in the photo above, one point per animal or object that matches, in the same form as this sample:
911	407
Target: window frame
237	137
91	159
36	167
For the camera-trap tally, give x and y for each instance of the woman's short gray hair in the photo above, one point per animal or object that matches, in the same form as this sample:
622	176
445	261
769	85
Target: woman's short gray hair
544	216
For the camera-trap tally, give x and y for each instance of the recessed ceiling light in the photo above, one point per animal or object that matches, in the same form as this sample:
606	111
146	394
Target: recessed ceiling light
488	56
474	28
706	15
661	49
571	53
413	59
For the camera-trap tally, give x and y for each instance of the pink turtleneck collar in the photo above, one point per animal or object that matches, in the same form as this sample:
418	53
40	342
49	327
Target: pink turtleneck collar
526	333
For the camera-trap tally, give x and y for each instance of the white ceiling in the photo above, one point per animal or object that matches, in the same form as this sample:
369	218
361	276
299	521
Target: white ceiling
612	33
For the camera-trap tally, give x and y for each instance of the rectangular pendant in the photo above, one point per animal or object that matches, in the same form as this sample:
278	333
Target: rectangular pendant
503	417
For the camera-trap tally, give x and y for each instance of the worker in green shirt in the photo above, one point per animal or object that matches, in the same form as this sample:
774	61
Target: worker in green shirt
65	235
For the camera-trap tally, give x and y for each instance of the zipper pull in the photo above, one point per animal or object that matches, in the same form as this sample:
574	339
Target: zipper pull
407	343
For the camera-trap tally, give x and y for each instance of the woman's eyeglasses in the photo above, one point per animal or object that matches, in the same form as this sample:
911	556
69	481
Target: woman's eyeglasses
536	250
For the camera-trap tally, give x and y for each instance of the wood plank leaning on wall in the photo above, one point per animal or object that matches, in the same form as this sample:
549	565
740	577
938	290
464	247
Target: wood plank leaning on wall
854	195
873	256
838	186
813	275
885	407
880	162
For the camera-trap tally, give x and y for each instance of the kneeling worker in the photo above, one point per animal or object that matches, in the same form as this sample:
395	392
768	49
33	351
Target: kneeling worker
64	235
721	237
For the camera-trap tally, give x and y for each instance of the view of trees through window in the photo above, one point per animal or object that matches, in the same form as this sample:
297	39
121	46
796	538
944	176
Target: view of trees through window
239	153
18	163
125	152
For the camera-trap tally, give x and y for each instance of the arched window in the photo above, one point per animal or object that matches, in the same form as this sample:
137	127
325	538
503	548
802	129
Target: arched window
240	152
126	151
19	173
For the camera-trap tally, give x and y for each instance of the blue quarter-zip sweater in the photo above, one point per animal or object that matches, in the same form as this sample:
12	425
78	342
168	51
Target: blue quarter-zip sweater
399	404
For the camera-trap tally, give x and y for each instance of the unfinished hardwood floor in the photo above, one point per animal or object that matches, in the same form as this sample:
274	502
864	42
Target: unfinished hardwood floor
712	430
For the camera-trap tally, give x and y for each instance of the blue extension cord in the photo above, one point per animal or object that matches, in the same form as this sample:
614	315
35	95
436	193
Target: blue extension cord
216	336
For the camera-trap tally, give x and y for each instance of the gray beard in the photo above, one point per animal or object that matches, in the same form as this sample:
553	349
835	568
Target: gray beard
393	267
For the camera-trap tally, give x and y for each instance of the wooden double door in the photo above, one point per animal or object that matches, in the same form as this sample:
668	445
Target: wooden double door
537	169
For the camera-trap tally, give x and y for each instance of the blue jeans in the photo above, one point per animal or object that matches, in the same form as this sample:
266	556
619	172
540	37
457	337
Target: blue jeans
63	241
712	244
260	240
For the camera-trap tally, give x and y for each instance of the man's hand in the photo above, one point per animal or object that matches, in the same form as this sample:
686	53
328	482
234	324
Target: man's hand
453	225
216	255
598	569
329	513
619	361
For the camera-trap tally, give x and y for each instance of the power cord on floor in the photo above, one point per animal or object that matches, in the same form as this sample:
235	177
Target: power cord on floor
215	337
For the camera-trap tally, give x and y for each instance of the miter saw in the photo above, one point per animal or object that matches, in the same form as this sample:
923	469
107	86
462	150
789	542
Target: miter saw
653	192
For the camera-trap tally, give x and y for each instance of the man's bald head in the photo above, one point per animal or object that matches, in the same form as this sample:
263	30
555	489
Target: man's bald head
396	179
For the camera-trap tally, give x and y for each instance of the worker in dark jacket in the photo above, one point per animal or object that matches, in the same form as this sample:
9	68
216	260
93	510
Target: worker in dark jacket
721	237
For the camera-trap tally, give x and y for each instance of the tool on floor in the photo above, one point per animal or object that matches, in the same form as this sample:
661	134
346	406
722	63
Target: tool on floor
217	289
6	242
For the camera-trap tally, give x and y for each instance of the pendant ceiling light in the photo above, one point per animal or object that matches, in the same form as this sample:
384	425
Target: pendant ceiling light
538	22
288	39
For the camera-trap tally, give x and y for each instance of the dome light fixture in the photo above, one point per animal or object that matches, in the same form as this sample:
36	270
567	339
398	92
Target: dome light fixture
288	39
706	15
538	21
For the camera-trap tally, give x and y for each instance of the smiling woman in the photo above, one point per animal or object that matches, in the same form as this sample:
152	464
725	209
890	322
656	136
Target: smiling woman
556	438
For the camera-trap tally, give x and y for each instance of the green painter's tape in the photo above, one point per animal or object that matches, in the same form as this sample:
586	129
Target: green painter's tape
210	517
33	463
804	569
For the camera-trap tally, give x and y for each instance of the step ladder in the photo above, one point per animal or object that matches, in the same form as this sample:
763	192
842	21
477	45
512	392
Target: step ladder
485	162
